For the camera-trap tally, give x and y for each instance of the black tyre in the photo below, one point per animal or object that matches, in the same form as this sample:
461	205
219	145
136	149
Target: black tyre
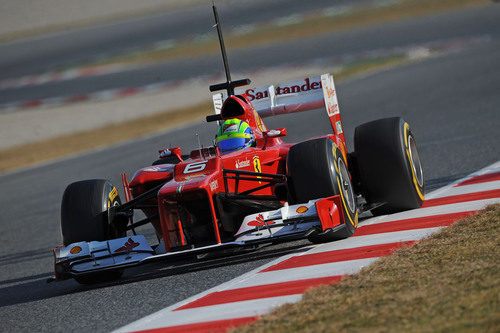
85	211
85	216
390	171
317	169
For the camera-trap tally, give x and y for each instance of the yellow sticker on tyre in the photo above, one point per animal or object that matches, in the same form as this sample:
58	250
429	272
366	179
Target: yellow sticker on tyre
334	149
113	194
346	209
407	149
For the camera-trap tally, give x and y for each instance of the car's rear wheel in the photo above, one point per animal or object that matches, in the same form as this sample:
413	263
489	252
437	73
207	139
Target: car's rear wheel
389	165
86	216
317	169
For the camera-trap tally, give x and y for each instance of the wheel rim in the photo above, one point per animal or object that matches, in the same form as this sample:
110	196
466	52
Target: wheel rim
415	161
346	186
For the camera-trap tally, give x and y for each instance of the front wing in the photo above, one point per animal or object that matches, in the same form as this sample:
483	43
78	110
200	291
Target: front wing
287	223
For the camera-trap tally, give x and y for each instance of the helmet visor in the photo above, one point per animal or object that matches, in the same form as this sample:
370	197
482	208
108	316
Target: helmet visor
231	144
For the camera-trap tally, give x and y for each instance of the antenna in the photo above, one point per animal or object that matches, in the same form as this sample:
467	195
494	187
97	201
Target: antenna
230	90
200	146
229	85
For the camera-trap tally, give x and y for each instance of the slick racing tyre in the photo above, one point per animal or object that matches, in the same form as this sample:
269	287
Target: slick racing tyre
389	166
317	169
85	216
84	211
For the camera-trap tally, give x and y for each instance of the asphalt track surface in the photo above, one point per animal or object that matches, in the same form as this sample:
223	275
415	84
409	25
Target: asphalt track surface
477	22
450	101
39	54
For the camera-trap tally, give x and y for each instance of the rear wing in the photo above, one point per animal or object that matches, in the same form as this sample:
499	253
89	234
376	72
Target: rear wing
306	94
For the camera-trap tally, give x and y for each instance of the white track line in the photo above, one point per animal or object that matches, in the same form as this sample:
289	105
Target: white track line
382	238
165	318
495	167
468	206
466	189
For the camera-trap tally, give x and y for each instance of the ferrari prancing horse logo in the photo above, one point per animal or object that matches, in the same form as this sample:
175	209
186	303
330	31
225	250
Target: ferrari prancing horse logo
256	166
129	245
260	222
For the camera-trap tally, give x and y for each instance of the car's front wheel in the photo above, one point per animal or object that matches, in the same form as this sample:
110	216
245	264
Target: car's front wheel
86	216
389	166
317	169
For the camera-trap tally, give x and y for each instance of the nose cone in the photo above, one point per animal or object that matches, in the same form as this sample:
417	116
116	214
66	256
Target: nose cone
194	176
152	174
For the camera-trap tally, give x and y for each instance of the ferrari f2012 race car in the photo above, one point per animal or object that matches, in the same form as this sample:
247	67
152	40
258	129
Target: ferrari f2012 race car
213	200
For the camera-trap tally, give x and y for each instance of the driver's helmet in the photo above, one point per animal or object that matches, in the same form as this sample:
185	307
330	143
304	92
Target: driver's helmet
234	134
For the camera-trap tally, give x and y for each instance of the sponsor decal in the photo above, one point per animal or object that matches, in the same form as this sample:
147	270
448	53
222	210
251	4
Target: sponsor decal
307	85
217	99
75	250
259	222
332	109
338	125
129	245
230	128
191	177
330	92
302	209
214	185
113	194
195	167
242	164
179	189
330	96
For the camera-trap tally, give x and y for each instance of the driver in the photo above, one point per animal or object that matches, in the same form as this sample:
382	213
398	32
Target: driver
234	134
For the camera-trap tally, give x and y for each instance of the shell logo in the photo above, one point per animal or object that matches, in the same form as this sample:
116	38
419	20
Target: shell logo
302	209
75	250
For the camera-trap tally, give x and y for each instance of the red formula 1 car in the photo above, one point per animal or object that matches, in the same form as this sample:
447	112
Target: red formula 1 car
267	193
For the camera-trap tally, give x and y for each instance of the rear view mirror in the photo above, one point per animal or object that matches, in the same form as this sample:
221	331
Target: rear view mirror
275	133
